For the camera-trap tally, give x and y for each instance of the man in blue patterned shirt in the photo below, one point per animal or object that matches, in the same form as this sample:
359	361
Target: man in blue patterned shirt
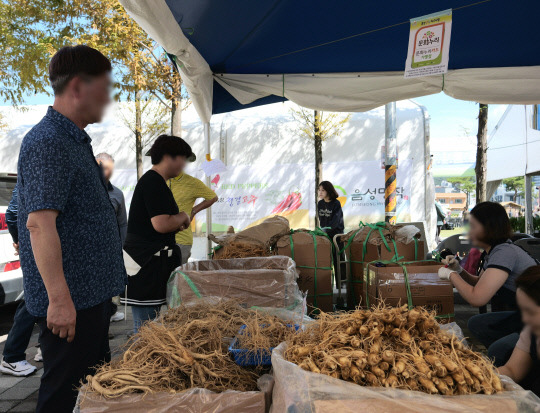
69	241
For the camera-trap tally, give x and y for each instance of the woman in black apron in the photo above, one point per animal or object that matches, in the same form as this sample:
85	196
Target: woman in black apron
495	281
523	366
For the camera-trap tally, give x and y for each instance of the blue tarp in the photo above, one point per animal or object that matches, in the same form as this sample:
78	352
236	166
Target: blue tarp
315	36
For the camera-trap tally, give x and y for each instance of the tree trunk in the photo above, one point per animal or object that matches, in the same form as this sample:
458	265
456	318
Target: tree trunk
481	154
138	135
318	160
176	117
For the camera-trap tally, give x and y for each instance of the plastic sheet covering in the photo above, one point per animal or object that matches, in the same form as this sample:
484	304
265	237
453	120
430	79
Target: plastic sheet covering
299	391
254	282
190	401
406	234
453	328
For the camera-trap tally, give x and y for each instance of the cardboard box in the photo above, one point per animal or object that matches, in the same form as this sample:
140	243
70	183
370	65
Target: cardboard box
194	401
314	266
261	281
359	262
387	283
355	289
406	252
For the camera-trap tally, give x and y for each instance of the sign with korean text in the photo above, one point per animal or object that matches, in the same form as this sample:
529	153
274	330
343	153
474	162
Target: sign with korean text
429	45
248	194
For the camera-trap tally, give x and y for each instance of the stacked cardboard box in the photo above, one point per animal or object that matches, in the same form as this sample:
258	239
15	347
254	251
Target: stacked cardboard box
361	252
388	283
262	282
313	256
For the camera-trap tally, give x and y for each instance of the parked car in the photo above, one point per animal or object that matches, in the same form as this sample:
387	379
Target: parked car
11	278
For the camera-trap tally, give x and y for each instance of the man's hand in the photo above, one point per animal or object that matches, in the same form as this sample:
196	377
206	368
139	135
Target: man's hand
61	318
16	246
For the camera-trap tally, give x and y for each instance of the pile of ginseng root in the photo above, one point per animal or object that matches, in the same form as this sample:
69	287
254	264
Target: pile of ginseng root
187	347
242	250
392	347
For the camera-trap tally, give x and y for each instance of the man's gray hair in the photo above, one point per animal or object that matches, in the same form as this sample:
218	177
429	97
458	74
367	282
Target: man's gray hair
103	156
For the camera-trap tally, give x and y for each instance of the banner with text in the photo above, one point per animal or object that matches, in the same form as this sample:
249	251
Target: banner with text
248	194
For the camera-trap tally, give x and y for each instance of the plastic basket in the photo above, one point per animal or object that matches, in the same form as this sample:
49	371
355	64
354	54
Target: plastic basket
244	357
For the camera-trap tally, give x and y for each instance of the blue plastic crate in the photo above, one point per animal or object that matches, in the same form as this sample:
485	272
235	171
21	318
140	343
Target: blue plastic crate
244	357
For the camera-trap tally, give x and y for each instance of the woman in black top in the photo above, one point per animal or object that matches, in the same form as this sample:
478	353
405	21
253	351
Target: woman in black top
150	251
330	214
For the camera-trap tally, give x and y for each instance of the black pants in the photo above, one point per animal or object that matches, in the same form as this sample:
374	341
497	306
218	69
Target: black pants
66	364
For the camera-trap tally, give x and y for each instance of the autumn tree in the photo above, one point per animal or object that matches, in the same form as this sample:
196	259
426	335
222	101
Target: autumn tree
319	126
465	184
153	120
29	29
139	70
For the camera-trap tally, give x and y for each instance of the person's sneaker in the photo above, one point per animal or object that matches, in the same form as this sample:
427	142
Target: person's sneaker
118	316
39	356
20	368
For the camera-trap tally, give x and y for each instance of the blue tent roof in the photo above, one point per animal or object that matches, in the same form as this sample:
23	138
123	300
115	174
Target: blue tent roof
278	36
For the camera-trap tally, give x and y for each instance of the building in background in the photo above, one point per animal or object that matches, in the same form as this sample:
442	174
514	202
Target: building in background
453	201
513	210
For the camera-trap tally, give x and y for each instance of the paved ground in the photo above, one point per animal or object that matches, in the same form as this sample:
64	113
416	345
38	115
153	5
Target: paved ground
20	394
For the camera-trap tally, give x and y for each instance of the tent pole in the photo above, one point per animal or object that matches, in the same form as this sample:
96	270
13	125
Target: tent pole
208	184
529	227
390	163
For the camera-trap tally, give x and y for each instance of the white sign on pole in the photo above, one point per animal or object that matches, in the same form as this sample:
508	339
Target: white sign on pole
429	45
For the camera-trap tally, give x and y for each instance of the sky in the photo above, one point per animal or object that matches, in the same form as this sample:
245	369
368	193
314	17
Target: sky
454	123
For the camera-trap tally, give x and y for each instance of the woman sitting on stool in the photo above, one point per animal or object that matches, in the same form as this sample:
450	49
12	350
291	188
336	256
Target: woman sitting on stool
501	264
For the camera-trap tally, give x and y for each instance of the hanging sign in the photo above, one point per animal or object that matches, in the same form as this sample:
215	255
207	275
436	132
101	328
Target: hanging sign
429	44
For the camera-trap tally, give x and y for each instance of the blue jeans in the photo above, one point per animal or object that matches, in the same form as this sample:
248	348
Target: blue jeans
142	314
498	331
19	335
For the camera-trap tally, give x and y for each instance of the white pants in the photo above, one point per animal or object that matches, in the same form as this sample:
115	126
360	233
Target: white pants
186	252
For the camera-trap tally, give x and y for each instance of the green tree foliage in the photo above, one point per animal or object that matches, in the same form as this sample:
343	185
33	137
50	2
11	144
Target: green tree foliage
465	184
31	31
516	184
